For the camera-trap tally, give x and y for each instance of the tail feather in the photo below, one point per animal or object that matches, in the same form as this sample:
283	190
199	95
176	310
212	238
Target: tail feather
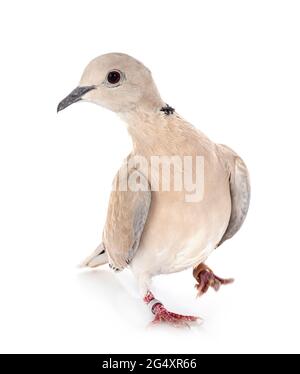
97	258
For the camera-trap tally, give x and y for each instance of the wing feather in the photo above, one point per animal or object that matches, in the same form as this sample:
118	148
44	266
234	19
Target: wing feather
126	217
240	191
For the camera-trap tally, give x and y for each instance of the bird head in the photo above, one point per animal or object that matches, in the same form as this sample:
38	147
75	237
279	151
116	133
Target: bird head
117	82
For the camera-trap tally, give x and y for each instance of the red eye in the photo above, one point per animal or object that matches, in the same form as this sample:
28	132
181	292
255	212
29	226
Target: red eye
113	77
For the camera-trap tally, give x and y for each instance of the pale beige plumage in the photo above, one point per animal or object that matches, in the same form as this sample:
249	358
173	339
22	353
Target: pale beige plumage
156	232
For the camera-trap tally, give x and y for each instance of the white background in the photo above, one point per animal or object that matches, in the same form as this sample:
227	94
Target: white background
232	68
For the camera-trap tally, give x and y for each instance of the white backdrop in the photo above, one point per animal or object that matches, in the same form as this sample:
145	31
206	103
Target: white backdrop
232	69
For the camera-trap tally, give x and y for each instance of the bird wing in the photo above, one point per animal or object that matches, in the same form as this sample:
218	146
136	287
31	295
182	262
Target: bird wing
239	183
126	217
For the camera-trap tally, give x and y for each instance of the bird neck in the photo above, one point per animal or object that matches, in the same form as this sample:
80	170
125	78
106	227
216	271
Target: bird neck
156	132
142	125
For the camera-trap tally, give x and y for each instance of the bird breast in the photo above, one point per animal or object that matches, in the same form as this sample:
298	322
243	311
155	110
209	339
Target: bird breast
178	235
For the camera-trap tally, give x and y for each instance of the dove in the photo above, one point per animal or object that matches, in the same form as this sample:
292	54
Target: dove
178	195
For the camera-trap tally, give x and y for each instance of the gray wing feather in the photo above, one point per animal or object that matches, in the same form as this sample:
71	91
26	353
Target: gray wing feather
126	218
240	192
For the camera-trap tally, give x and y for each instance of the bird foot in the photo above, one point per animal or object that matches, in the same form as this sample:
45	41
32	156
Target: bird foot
163	315
206	278
174	319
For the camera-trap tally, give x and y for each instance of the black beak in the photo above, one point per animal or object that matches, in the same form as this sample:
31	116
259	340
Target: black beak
74	96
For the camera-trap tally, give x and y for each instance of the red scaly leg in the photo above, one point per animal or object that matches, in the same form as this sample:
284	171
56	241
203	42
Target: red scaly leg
163	315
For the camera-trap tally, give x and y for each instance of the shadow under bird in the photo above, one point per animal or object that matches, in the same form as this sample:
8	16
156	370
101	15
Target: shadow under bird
151	229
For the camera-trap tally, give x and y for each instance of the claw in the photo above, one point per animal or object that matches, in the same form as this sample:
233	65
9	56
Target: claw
206	278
